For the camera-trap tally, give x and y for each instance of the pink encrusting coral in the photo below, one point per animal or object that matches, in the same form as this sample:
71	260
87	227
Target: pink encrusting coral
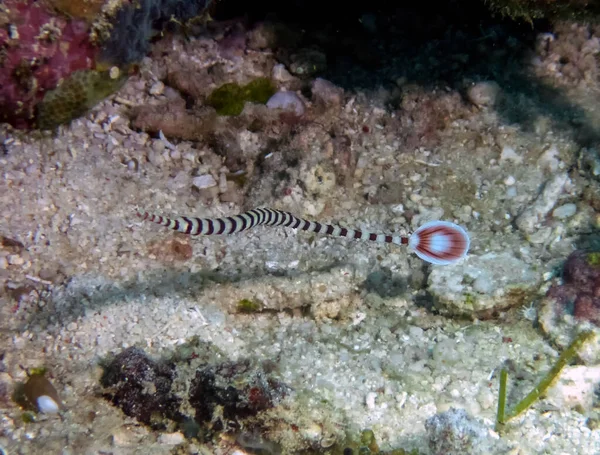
37	50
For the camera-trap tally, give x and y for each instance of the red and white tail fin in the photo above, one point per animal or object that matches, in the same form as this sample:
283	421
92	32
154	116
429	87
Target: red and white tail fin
440	242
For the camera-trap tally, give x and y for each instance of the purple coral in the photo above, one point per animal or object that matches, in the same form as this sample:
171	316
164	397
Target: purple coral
37	50
579	293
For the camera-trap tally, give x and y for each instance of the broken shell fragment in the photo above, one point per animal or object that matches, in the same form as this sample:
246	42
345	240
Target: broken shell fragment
41	393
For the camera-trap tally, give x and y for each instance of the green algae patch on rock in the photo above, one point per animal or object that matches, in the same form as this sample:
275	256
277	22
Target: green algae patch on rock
249	306
229	99
593	259
482	285
76	95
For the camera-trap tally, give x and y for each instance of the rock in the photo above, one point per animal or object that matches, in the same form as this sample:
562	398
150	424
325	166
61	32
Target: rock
529	220
307	62
230	391
7	386
319	180
480	285
573	304
125	437
157	88
263	36
509	154
455	432
549	159
575	388
171	439
288	102
370	400
141	387
591	160
564	211
155	158
15	259
204	181
317	291
281	74
483	94
509	181
326	93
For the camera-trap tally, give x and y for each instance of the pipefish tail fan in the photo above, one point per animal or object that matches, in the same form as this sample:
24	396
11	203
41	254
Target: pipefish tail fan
438	242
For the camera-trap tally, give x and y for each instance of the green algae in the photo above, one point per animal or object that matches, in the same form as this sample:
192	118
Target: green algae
365	444
76	95
28	417
248	306
567	355
367	439
470	300
37	371
229	99
593	259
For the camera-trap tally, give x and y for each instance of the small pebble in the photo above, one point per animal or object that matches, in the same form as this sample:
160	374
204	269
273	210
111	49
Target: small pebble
222	183
204	181
123	437
509	181
326	92
529	220
287	101
158	146
313	432
171	439
549	160
370	400
132	165
575	388
564	211
155	158
157	89
281	74
483	94
509	154
15	259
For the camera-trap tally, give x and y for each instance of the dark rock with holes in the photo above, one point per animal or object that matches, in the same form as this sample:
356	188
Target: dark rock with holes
579	293
231	391
455	432
141	387
572	304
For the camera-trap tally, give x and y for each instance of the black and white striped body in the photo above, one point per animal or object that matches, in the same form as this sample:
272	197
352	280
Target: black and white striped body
265	217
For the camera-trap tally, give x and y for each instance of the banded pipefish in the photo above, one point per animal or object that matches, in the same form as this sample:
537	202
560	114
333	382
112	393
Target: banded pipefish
437	242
